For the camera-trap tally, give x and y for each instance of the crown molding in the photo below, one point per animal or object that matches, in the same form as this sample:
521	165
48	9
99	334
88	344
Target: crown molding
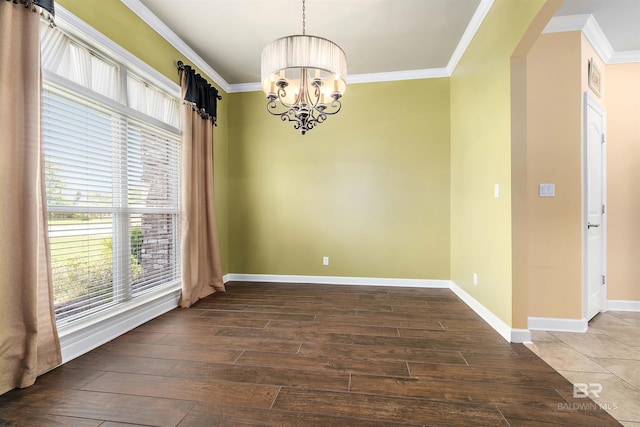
561	24
588	25
429	73
470	32
585	23
598	39
161	28
245	87
625	57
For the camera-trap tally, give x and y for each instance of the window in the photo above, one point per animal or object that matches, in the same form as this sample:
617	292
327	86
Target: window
112	179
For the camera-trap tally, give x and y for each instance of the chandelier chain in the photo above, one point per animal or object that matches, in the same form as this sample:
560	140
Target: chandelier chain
304	24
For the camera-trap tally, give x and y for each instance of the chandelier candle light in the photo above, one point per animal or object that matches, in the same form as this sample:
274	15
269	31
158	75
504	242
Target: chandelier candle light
304	78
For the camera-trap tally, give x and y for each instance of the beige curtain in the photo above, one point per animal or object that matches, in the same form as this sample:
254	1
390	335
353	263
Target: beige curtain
29	342
201	267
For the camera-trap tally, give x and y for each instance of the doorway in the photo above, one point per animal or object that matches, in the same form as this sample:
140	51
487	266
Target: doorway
595	226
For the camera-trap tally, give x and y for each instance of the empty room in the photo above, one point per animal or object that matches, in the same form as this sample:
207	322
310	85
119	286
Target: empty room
319	213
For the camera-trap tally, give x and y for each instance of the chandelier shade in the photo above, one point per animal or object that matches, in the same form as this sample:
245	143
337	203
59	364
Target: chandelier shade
304	78
294	53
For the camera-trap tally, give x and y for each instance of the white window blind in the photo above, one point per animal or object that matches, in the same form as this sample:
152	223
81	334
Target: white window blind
112	182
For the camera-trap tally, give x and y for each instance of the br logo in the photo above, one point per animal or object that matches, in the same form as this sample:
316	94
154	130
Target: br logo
582	390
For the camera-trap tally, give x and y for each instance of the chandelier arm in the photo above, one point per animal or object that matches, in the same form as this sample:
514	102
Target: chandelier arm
282	94
334	104
272	105
317	97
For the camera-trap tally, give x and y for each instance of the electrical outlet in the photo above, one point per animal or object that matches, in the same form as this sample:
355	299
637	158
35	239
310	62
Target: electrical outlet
475	279
325	260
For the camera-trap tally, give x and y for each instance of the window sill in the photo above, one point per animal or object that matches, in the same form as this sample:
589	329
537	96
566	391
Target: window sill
80	337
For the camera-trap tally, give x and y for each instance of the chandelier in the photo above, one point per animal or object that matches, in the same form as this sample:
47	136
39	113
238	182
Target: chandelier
304	78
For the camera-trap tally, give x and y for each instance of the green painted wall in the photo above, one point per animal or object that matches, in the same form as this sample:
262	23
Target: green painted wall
481	157
400	186
369	187
120	24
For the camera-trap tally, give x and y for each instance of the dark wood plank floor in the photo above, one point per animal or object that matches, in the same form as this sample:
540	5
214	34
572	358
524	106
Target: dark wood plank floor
307	355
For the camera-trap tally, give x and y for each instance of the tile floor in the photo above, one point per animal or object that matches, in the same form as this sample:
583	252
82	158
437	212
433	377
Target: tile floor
608	354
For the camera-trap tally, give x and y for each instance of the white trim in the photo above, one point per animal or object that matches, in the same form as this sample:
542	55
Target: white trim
557	325
623	305
561	24
161	28
478	17
83	336
521	336
592	31
594	34
598	39
226	278
625	57
430	73
494	321
340	280
509	334
68	21
245	87
585	23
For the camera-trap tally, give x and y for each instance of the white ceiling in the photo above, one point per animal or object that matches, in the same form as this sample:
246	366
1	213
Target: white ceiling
378	36
619	20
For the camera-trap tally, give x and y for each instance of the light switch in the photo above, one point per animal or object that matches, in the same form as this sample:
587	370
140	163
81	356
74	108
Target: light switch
547	190
496	191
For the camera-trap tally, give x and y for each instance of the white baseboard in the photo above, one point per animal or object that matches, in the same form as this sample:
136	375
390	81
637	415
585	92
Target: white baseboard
557	325
623	305
81	337
521	336
509	334
340	280
500	326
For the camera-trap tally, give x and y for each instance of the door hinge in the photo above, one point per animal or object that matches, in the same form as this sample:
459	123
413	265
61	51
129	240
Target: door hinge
604	280
603	209
602	138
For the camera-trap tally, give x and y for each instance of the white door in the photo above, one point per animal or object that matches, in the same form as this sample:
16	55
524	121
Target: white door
595	226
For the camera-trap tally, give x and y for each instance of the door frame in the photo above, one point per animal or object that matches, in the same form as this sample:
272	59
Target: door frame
590	101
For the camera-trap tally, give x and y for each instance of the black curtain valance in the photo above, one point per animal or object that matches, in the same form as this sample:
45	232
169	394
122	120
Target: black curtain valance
47	5
199	93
